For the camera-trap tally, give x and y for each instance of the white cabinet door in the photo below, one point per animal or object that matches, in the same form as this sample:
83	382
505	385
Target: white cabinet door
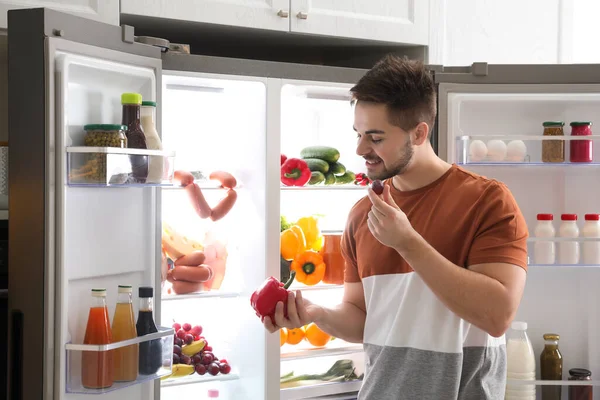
399	21
106	11
263	14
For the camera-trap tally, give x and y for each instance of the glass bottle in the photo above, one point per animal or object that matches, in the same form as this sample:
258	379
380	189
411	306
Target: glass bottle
156	163
551	364
580	392
136	139
150	359
97	366
123	328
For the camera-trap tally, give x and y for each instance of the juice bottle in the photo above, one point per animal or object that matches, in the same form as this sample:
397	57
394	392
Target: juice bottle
150	358
123	328
97	366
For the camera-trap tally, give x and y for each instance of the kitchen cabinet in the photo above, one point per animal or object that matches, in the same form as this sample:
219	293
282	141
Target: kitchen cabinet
405	21
106	11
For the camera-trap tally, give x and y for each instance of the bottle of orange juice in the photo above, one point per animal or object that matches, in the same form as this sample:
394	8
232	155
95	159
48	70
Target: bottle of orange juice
123	328
97	366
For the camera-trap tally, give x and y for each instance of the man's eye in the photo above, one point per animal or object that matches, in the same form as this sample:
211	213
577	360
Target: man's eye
376	140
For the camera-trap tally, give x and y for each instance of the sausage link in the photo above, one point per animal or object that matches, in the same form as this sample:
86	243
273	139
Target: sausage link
201	273
183	177
195	258
198	200
224	206
170	276
184	287
225	178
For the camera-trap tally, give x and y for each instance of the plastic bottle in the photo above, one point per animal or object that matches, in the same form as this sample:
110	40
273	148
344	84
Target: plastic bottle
591	250
520	363
97	366
544	252
123	328
569	250
156	163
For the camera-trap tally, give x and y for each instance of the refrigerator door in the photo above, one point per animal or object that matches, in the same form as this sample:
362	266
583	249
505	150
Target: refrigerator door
66	72
491	122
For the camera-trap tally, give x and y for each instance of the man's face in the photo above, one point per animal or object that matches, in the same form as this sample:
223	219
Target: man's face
386	148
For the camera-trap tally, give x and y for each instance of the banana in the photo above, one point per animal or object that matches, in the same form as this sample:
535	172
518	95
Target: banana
181	370
194	348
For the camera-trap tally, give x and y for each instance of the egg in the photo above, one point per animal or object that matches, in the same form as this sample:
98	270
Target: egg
477	151
516	150
496	150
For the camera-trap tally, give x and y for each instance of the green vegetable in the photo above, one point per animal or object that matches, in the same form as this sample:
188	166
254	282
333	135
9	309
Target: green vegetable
314	164
329	178
337	168
316	177
284	223
284	269
348	177
324	153
342	370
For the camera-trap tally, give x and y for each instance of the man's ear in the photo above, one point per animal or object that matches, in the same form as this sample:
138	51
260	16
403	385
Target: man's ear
421	133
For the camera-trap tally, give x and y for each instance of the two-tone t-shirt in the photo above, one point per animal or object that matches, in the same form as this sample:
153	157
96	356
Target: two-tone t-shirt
415	347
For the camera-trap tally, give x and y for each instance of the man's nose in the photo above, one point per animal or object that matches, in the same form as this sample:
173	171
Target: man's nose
362	148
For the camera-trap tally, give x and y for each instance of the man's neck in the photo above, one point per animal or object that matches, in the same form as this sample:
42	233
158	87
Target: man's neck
421	172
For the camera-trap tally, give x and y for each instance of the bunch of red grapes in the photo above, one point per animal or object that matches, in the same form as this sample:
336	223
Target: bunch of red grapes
203	361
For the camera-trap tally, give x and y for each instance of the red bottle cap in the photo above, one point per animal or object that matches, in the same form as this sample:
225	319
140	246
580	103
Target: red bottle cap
568	217
592	217
545	217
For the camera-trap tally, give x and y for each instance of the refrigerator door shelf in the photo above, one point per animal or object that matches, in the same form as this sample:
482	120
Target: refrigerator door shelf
195	379
110	166
316	391
526	150
76	352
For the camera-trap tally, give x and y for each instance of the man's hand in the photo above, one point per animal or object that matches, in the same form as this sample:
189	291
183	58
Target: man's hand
387	222
300	312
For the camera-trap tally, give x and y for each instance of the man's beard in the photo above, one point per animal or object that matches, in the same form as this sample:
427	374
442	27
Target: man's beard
399	166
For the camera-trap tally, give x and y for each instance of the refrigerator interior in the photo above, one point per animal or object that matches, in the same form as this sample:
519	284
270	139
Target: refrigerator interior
105	236
319	114
558	298
219	123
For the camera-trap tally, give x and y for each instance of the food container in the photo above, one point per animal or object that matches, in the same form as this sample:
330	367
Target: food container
581	151
333	259
100	135
553	151
580	392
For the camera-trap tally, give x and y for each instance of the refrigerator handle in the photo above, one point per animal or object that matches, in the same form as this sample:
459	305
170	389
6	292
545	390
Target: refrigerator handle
16	361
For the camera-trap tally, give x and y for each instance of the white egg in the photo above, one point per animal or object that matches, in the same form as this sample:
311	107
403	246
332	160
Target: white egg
496	150
477	151
516	150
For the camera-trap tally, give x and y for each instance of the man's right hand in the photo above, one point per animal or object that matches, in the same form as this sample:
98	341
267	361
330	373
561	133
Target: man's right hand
300	312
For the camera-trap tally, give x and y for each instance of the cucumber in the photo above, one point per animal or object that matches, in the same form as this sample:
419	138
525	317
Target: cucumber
324	153
316	177
337	168
348	177
329	178
314	164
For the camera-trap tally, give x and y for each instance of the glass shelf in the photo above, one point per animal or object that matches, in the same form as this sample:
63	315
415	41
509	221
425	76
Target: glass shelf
517	382
80	356
200	295
524	150
112	166
349	186
320	286
198	379
323	389
345	348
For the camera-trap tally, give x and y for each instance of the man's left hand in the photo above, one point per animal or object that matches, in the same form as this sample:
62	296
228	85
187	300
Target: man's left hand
387	222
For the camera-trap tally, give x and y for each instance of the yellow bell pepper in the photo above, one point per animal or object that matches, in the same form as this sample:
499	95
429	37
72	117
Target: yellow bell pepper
310	227
291	242
309	267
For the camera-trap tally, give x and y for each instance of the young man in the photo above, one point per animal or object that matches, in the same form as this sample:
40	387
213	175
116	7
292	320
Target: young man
435	266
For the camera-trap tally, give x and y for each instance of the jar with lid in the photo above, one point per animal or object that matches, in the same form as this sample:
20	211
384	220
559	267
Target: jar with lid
101	135
580	392
568	250
581	151
590	253
553	151
544	251
551	364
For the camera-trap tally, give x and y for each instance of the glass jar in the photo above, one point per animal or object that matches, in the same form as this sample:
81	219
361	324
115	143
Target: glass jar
580	392
333	259
553	151
581	151
551	364
101	135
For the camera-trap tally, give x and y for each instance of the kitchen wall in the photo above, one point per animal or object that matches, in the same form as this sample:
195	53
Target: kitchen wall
514	31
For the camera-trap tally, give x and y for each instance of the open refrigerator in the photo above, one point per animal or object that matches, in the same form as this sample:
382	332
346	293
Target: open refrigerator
491	122
72	235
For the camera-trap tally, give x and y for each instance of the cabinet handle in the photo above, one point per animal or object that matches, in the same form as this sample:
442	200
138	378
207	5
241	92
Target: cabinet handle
302	15
283	14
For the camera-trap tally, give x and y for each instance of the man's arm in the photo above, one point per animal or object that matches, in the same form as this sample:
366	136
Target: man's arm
486	295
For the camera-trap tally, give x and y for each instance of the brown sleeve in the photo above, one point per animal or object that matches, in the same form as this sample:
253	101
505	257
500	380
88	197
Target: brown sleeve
502	231
348	246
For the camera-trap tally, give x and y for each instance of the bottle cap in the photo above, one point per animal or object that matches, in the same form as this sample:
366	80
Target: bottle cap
213	393
99	292
568	217
580	123
553	123
592	217
131	98
545	217
146	292
125	289
149	103
551	336
580	372
519	325
104	127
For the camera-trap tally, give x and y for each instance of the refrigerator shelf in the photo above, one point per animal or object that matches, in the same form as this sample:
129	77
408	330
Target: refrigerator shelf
324	389
198	379
94	354
321	352
517	382
348	186
527	150
321	286
112	166
200	295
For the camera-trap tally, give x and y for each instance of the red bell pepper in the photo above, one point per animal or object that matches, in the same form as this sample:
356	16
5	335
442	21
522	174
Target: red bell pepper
265	298
283	158
295	172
